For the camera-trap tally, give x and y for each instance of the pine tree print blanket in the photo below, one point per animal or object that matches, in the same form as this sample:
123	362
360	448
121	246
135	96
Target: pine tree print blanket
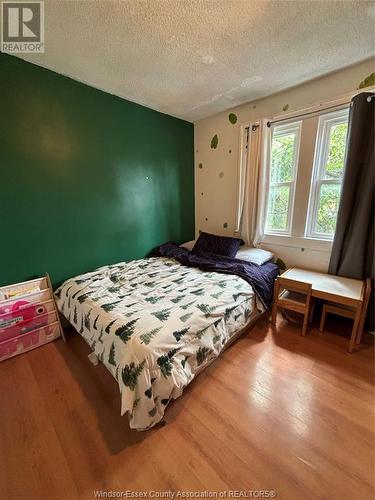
261	278
155	324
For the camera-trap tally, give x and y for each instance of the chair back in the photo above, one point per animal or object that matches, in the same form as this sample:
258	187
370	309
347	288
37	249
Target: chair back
296	303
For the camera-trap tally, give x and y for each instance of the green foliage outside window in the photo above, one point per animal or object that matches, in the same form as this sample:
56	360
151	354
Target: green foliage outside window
329	196
282	161
282	158
278	202
336	151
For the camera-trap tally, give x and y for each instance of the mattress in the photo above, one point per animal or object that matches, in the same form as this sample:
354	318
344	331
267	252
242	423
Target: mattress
155	324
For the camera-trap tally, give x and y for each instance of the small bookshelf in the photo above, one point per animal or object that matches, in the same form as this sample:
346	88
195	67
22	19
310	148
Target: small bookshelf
28	317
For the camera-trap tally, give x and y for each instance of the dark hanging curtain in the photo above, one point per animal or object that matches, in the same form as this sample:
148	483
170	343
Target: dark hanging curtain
353	245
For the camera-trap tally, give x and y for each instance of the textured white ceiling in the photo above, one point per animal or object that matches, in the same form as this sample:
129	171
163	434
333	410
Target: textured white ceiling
195	58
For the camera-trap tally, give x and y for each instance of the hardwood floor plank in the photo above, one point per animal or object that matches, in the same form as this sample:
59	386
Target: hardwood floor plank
275	411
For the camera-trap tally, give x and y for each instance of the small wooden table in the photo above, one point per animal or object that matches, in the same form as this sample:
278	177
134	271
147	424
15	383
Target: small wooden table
337	289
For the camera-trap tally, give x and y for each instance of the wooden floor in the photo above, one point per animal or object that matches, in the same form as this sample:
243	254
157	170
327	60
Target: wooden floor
275	412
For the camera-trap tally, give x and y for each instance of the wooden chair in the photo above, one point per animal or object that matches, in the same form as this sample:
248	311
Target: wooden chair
294	296
349	312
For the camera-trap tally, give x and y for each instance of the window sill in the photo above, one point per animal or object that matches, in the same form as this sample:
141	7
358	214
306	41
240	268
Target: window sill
297	242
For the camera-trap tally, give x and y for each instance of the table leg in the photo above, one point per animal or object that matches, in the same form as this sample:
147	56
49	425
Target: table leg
361	323
312	309
357	319
323	319
274	306
305	322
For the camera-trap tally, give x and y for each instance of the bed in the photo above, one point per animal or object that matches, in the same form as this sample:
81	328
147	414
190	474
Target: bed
155	323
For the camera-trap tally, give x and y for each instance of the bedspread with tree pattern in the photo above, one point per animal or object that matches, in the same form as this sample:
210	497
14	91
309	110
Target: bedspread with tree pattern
155	324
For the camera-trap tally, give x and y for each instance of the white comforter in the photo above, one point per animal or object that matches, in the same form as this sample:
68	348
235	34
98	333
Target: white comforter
155	324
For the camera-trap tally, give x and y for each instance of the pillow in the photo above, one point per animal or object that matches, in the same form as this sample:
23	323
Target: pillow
254	255
188	245
219	245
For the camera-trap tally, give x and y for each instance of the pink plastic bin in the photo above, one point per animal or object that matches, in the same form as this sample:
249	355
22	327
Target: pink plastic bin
27	341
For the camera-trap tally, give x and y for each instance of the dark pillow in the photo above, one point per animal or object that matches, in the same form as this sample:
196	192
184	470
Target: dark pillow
220	245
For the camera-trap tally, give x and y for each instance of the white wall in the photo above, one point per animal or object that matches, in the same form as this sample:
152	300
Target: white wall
217	179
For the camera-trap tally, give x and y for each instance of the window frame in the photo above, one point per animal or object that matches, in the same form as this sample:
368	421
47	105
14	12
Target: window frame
325	123
294	126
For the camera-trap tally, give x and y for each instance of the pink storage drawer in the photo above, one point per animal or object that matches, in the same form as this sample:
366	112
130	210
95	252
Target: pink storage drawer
28	341
26	326
25	319
28	316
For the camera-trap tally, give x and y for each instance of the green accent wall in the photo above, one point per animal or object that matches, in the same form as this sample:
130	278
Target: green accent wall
86	178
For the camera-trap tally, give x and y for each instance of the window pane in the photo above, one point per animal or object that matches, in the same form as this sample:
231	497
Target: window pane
282	158
328	204
277	213
336	151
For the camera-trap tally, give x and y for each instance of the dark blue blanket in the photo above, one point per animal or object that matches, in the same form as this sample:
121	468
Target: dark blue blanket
261	278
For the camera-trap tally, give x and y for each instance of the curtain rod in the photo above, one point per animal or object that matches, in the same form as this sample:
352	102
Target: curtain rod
308	113
317	111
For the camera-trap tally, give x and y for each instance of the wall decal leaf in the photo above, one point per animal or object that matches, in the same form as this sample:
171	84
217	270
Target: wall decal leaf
232	118
369	80
214	142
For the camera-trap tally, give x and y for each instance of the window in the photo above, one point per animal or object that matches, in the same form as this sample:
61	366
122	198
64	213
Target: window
327	174
283	160
306	167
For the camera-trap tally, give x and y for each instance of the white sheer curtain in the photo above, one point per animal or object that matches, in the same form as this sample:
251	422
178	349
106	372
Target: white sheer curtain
253	184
